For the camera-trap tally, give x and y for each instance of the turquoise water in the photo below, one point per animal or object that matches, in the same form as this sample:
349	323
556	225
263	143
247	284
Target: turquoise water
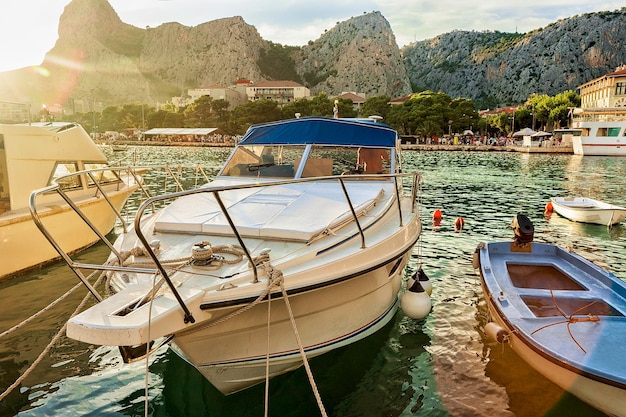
441	366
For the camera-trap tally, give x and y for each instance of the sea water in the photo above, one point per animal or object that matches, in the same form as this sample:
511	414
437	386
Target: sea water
440	366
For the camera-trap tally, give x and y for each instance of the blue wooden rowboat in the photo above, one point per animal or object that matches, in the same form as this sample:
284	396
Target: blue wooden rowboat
562	314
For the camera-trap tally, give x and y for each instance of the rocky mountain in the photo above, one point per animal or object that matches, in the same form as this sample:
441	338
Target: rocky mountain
360	55
496	68
97	57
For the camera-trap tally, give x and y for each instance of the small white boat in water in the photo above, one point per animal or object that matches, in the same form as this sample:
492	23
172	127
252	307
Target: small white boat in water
35	155
563	315
294	216
588	210
117	147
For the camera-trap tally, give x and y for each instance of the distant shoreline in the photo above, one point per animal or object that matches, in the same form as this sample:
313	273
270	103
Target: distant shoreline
490	148
404	147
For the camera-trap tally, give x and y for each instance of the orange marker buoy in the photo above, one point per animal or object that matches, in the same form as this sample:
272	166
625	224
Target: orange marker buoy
437	215
549	207
459	224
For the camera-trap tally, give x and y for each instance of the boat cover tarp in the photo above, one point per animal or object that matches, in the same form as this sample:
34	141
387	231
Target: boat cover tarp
322	131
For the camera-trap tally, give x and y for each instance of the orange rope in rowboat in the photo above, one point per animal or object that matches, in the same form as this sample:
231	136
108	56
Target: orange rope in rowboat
571	319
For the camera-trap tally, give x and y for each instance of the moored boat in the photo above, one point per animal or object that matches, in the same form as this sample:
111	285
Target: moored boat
34	155
600	137
588	210
560	313
296	248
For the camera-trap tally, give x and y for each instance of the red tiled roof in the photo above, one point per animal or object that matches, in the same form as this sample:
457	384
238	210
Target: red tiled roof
351	96
619	71
500	110
400	100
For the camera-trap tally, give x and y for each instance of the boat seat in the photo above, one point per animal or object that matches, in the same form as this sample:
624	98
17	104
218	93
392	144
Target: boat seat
241	170
295	212
317	167
579	205
285	170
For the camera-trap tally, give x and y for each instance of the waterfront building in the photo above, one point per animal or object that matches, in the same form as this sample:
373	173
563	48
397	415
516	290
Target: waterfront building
283	92
216	92
608	91
358	99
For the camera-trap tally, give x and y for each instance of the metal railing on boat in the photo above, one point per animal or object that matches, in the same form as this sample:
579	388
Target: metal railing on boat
151	203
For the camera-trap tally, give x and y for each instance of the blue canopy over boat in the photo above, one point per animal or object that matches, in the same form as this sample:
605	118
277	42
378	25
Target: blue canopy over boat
322	131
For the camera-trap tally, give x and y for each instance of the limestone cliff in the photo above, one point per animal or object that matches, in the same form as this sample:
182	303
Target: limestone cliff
97	57
360	55
216	52
503	68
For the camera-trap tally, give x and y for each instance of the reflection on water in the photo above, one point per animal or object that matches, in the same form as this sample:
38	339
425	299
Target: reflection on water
441	366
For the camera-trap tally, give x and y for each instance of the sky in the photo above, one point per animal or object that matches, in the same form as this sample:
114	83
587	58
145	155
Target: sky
28	28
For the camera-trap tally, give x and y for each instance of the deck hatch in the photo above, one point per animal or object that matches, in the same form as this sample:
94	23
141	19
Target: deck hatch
545	277
544	306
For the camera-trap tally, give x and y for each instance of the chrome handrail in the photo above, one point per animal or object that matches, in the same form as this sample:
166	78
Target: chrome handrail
151	201
129	171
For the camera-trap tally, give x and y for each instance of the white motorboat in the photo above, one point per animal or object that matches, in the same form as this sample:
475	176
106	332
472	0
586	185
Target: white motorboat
588	210
600	137
562	314
34	155
290	215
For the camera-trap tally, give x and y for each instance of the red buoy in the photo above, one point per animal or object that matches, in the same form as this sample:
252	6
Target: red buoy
549	207
459	224
437	215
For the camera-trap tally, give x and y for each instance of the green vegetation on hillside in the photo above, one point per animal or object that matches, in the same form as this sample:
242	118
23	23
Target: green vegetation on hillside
276	62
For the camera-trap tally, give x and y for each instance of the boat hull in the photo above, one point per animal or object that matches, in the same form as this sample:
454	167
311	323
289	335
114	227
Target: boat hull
599	146
338	292
599	137
586	210
233	356
528	291
607	398
291	252
24	247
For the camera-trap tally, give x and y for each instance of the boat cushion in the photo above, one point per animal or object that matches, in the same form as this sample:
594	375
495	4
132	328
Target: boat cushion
293	212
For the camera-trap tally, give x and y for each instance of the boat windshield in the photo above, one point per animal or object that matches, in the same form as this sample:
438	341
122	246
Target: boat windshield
306	161
264	161
102	176
60	175
62	171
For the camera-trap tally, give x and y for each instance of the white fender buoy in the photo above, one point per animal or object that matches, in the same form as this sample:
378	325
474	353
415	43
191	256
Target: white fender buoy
423	279
476	259
415	302
496	333
476	256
